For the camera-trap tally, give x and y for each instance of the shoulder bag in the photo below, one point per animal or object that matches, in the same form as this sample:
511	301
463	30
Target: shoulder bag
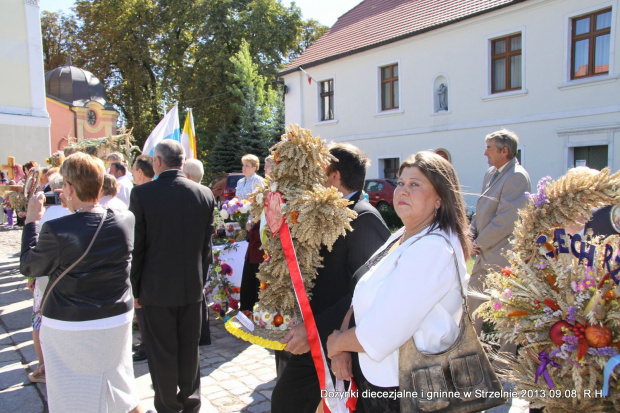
459	379
49	290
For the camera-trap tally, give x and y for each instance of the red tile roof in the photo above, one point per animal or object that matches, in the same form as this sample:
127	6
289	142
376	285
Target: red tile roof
373	23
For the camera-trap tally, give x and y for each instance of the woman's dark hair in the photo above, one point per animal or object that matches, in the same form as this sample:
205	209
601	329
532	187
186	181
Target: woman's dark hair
28	166
451	215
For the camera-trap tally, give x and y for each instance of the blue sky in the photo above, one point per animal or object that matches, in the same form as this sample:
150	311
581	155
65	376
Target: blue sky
325	11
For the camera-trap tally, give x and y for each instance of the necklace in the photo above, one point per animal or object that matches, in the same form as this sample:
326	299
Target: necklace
415	232
87	206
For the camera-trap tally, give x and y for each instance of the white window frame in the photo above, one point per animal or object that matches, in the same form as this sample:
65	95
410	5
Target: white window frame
379	98
489	60
611	129
611	76
318	106
380	173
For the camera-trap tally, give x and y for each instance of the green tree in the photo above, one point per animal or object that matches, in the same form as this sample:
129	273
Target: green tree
254	102
58	31
150	53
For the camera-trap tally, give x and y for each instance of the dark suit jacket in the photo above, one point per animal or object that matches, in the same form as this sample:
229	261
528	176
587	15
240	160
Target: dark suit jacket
172	251
334	284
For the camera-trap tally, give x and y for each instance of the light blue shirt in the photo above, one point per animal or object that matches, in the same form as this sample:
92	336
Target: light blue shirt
245	186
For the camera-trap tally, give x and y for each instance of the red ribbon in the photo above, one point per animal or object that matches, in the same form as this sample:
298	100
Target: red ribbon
304	305
352	402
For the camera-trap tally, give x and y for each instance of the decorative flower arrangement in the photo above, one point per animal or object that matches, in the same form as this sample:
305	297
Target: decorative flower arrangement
264	318
17	202
56	159
236	210
559	297
225	294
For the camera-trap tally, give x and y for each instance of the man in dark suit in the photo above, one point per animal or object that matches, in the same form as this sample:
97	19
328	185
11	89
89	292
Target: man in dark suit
297	389
172	253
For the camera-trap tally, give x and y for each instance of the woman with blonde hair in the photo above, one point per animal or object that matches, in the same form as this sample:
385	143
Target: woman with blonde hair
88	308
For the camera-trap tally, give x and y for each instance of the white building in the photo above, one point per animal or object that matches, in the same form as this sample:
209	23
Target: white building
24	121
546	69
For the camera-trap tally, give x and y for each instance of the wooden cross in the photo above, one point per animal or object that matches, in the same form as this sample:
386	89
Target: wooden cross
9	167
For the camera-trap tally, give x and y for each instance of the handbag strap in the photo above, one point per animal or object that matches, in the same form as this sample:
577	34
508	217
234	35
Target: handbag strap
92	241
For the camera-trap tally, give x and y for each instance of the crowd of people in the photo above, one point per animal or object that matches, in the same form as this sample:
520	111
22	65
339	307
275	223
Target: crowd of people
123	241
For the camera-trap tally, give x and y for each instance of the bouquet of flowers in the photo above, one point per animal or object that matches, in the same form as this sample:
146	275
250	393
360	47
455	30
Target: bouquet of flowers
559	297
17	202
225	294
236	210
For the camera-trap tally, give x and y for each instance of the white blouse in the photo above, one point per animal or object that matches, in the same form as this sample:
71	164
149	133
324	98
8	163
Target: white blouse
412	291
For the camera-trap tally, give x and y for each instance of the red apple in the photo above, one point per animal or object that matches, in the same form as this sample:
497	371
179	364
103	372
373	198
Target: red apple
556	334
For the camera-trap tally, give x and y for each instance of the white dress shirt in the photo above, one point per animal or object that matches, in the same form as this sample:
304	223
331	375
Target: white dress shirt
113	203
412	291
124	190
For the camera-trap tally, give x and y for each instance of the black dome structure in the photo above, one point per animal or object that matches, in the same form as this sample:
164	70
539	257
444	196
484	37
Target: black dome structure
75	86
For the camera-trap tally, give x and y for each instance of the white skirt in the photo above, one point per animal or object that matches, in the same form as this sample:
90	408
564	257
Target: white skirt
90	370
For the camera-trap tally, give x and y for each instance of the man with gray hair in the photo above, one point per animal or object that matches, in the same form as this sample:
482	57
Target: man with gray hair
503	193
170	263
194	170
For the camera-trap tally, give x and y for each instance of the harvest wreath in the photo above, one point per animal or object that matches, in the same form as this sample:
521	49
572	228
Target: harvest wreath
559	297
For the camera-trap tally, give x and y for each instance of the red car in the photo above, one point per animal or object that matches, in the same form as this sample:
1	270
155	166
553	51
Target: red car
224	187
380	192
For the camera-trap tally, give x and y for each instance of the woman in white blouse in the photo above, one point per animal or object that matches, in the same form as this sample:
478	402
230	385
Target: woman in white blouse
410	286
250	180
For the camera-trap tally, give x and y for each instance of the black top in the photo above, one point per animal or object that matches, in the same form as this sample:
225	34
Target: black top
98	286
334	284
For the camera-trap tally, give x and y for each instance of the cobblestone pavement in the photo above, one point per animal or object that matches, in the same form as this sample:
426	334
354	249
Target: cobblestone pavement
236	376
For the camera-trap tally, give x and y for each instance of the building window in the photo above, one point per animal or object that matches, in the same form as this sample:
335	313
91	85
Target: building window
594	157
506	63
388	167
591	35
327	100
389	87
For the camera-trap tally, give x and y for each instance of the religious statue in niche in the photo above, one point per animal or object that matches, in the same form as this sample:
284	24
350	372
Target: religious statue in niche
442	97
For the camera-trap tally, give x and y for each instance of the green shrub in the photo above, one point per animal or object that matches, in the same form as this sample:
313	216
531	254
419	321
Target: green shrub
391	219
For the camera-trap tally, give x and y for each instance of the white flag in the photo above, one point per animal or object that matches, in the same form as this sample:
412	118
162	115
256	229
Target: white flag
167	128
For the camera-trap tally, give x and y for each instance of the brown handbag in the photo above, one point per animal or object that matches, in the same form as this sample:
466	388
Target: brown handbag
459	379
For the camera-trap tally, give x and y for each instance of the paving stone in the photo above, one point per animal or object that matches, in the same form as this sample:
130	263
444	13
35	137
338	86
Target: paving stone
231	384
8	353
219	375
250	381
21	399
263	407
266	393
253	398
12	374
221	395
232	369
211	389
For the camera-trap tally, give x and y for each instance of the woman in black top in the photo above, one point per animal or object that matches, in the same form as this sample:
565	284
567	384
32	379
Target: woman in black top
86	319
